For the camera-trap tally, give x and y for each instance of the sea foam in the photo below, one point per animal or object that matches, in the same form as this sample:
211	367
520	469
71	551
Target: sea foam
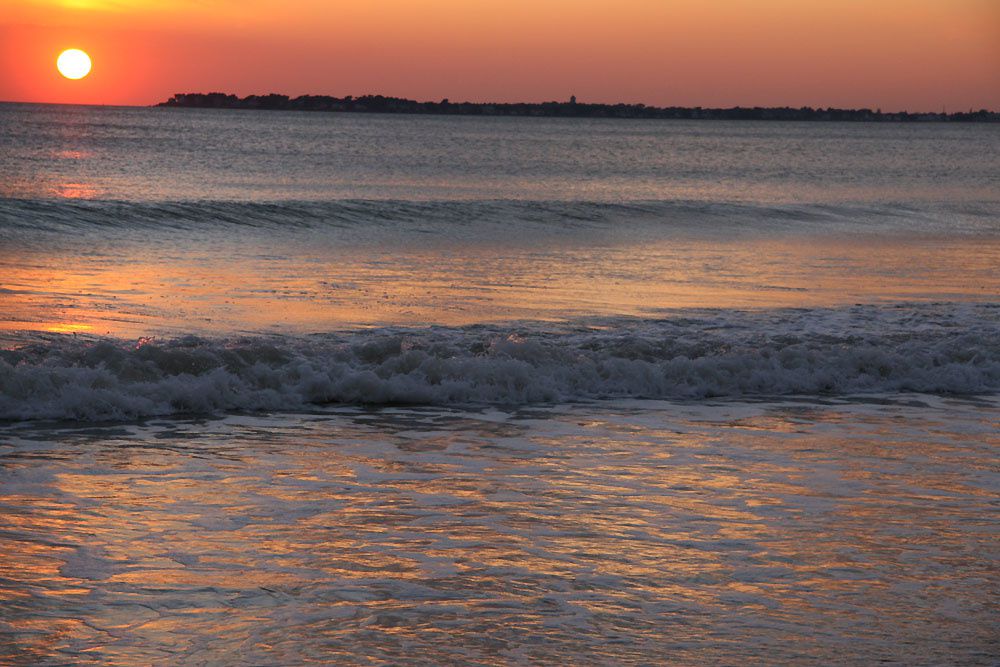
950	349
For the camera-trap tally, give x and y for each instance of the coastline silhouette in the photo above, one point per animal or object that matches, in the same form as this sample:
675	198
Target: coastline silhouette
570	109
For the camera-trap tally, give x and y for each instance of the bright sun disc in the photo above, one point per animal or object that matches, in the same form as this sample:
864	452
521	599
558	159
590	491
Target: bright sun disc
73	64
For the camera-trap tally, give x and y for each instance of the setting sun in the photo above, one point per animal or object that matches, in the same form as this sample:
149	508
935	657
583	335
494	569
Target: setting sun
73	64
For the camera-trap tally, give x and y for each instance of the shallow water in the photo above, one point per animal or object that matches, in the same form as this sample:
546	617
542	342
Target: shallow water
305	280
615	533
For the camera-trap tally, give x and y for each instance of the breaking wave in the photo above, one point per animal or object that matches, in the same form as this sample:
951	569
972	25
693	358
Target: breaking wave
944	349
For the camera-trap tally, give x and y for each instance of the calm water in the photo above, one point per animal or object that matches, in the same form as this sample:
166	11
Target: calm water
291	388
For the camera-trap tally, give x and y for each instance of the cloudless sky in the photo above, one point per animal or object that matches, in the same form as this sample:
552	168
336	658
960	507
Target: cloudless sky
892	54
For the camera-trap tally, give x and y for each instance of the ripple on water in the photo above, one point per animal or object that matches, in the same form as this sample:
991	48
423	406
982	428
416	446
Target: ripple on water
615	533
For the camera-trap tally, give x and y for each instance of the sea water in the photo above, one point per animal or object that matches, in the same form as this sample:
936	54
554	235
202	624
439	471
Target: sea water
282	388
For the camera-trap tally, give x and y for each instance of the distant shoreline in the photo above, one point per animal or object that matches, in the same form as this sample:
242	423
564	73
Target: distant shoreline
570	109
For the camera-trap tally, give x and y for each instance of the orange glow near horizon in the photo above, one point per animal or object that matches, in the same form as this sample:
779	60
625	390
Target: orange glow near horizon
895	54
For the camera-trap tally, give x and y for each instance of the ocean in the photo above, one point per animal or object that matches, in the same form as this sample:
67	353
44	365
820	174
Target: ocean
315	388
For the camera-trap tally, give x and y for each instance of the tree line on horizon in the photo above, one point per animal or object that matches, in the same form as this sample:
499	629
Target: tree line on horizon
570	109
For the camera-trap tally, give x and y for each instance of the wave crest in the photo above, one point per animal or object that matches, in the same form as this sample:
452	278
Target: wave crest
926	349
34	216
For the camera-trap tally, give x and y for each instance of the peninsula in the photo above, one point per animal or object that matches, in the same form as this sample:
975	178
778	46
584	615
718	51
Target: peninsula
570	109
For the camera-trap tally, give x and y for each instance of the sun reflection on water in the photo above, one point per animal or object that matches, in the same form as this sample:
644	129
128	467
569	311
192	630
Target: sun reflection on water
76	191
135	290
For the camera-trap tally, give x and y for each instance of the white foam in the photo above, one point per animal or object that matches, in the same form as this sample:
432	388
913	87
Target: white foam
930	349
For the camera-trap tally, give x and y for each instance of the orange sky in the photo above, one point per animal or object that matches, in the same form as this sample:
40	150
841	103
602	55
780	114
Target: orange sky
893	54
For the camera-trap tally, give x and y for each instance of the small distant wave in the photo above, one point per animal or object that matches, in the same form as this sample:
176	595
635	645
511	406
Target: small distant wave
942	349
52	216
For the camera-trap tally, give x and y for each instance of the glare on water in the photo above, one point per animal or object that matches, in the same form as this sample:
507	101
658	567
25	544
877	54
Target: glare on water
623	533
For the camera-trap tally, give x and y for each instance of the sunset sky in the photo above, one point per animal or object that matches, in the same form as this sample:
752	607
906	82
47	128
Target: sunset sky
892	54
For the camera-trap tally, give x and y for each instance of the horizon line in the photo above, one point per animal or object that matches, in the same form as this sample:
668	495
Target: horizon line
446	100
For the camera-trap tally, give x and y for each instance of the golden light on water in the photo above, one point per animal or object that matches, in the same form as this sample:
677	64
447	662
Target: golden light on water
74	64
325	287
397	524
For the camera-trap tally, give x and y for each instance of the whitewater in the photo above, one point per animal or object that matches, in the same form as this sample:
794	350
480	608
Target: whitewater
931	349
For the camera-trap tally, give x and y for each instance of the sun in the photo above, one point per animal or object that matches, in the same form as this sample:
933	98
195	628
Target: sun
73	64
